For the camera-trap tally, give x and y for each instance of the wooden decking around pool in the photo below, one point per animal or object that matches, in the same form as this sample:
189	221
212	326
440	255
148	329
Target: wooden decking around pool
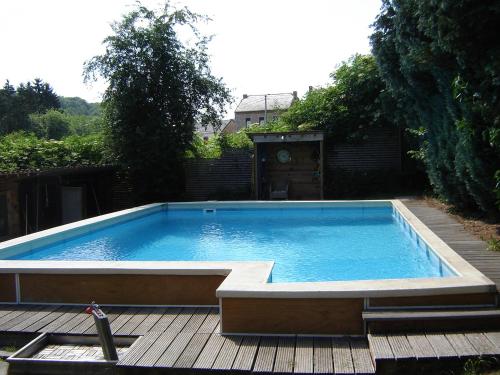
471	248
171	339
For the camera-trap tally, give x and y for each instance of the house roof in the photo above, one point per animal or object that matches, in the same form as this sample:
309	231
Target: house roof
208	130
253	103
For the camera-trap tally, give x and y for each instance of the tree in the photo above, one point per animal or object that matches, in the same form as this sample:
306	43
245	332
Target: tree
158	88
51	125
17	104
79	106
441	61
355	102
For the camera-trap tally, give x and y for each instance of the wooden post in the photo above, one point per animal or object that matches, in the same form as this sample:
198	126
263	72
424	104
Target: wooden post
321	169
256	179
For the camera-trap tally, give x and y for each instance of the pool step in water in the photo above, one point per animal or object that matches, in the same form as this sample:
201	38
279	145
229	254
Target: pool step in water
391	321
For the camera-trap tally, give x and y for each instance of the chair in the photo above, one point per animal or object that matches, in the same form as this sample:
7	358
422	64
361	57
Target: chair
278	190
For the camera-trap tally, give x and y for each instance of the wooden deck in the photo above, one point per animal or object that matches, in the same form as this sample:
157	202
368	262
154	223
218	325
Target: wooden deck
471	248
187	338
173	338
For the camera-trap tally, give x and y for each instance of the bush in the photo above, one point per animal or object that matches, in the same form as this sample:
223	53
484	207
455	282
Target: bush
216	145
25	152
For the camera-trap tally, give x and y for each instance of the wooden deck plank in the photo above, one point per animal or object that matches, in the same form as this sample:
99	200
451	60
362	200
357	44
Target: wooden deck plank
342	357
284	355
210	352
27	314
192	350
323	356
304	356
461	345
27	321
154	352
175	349
47	319
400	346
180	320
482	344
64	319
165	320
441	346
4	320
212	320
246	353
134	322
421	346
7	309
494	337
380	347
138	349
146	325
361	358
196	319
227	354
123	319
264	361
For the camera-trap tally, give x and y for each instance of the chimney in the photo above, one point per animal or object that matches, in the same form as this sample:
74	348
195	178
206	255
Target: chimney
245	96
295	94
310	88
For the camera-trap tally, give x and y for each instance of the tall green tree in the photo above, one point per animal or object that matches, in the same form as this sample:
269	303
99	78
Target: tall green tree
441	60
354	102
17	104
158	88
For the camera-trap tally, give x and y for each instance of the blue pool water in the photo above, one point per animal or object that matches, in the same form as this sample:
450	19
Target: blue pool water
310	244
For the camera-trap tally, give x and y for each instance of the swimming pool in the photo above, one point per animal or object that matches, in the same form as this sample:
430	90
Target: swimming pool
270	267
306	244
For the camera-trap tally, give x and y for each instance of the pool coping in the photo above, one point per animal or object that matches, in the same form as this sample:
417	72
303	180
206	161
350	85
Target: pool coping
249	279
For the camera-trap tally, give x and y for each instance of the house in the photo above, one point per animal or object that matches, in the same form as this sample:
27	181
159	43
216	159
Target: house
257	109
207	131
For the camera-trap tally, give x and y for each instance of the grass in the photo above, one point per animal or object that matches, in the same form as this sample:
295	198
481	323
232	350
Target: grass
493	244
8	348
481	366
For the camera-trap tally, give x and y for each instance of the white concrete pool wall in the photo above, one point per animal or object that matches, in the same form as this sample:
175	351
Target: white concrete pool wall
249	279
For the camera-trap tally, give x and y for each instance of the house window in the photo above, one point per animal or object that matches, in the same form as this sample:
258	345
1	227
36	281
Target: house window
261	120
248	122
4	225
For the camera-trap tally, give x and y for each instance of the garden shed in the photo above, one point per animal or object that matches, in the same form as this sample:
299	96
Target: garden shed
288	165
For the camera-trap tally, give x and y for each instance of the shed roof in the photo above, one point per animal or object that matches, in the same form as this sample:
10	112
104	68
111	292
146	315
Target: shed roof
283	137
253	103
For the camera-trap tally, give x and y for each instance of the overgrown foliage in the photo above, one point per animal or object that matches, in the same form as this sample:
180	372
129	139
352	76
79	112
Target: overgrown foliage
23	152
355	102
215	146
441	60
55	124
159	87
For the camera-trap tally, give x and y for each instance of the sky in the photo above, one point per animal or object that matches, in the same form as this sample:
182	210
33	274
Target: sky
259	46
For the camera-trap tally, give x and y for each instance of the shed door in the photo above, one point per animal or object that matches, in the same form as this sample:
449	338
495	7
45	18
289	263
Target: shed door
72	204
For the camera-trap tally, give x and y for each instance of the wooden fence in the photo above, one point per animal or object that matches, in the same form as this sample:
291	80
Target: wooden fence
354	169
229	177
